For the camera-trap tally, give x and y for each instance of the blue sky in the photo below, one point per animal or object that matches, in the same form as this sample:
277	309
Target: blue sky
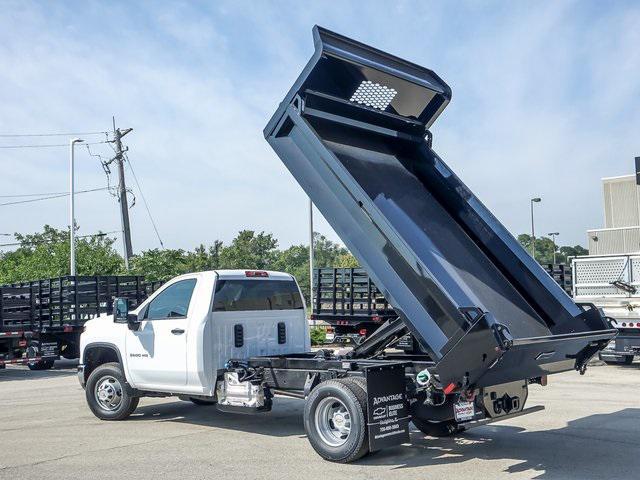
546	101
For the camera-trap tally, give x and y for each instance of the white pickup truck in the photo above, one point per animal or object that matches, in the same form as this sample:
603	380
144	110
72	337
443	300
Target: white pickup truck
177	341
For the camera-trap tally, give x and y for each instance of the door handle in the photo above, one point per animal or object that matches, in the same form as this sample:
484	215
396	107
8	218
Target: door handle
177	331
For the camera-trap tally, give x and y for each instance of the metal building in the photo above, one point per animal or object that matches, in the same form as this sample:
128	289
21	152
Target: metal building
621	232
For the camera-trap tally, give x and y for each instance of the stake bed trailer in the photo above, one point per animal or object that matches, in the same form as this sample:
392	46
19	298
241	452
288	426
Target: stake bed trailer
353	131
43	319
349	301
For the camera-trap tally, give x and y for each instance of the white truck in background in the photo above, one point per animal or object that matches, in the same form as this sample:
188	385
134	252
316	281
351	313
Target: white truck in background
612	283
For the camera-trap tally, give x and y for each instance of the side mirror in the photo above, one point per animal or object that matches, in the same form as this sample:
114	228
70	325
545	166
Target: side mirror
121	313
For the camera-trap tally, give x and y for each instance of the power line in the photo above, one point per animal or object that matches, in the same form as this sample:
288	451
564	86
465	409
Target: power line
50	145
32	195
67	134
60	195
146	205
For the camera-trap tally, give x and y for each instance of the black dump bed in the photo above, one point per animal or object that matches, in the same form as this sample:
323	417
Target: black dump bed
353	131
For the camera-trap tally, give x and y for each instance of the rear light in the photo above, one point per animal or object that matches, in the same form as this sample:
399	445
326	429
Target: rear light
449	388
376	318
363	332
22	343
312	316
68	329
255	273
543	380
638	324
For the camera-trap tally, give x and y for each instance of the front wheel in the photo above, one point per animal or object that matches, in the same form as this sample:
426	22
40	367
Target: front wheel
107	394
335	420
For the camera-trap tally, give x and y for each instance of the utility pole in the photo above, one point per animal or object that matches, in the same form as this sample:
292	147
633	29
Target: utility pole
122	192
533	229
72	215
553	239
311	257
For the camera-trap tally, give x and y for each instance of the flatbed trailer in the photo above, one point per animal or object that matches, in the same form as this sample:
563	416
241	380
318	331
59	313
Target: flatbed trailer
354	132
350	302
42	320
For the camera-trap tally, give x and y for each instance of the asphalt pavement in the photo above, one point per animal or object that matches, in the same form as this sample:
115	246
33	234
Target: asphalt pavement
590	430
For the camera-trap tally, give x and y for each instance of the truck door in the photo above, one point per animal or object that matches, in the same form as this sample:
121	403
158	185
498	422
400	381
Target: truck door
157	351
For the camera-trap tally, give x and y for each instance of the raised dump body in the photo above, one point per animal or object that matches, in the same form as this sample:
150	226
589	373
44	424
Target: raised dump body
353	131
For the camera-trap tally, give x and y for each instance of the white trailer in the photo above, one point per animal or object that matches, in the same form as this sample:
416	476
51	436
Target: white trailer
612	283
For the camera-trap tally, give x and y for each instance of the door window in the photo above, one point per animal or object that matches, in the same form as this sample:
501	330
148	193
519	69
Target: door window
172	302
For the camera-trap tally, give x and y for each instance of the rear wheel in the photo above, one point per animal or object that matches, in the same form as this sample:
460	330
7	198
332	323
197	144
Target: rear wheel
34	351
335	421
107	394
437	429
41	365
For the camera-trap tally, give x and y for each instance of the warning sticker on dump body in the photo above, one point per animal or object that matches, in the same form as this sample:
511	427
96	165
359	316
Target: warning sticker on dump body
388	409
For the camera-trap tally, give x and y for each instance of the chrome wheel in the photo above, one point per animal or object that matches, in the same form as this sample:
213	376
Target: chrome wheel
333	421
108	393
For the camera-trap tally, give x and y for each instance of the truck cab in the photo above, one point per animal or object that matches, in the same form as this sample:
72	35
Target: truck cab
179	339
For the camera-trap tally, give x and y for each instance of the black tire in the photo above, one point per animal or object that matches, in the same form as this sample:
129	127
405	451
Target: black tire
41	364
34	351
202	402
354	399
103	375
437	429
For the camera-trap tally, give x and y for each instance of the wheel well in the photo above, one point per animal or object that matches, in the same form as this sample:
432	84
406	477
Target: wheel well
97	355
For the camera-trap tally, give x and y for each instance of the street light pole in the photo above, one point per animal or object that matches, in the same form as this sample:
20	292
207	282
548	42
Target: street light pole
533	229
553	239
72	232
311	255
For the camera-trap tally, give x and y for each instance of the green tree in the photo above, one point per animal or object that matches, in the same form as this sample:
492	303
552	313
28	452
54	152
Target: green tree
250	250
159	265
574	251
326	252
46	254
204	258
545	248
295	260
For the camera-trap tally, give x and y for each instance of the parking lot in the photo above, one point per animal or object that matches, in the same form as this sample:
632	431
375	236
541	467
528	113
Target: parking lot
590	430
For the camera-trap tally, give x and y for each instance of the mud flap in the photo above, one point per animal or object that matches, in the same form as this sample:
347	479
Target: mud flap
387	406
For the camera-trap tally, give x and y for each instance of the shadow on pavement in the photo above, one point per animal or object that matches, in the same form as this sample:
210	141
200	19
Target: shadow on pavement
284	420
62	368
597	446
